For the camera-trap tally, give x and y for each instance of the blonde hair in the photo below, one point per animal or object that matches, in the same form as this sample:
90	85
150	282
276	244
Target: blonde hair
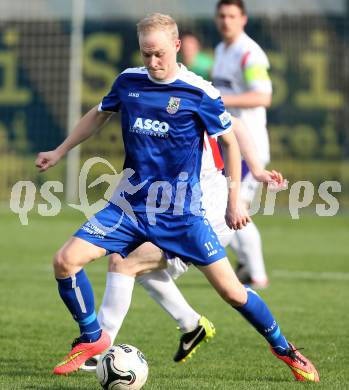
158	22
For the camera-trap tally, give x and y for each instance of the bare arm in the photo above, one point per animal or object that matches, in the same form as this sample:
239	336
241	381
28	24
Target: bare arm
232	165
249	153
88	125
246	145
249	99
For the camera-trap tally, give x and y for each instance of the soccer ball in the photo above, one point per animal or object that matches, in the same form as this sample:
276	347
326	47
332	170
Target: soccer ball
122	367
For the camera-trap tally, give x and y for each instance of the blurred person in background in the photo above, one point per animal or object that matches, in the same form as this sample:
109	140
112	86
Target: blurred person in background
193	57
240	72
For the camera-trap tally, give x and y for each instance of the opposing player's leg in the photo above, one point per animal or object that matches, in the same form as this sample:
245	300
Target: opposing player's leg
120	281
251	306
196	328
247	243
76	292
160	286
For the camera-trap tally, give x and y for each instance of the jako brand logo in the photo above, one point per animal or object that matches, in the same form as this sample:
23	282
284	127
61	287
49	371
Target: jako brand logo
151	127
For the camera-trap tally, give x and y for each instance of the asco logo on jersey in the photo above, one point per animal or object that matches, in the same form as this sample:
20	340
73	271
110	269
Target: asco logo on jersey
150	127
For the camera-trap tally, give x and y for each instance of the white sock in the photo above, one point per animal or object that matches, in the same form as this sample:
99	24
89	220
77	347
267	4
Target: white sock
116	302
164	291
247	245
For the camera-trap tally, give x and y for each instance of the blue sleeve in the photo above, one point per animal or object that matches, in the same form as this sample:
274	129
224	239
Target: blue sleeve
111	102
214	116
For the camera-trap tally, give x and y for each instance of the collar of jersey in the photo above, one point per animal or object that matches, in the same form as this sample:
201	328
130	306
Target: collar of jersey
234	44
169	81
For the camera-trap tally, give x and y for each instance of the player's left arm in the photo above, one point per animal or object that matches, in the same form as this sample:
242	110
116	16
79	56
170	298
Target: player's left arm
249	153
235	217
217	122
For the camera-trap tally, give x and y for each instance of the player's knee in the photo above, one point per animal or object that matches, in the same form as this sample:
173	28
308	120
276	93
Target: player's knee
62	263
119	265
115	260
137	263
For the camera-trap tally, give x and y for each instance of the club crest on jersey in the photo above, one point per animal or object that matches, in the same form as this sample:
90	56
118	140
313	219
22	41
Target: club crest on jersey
173	105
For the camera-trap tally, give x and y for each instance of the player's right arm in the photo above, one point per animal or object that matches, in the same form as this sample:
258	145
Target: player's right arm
88	125
250	99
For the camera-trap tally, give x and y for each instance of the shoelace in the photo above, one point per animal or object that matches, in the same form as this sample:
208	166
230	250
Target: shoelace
292	354
76	342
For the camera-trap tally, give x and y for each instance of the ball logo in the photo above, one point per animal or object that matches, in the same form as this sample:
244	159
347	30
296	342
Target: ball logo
113	376
121	368
150	127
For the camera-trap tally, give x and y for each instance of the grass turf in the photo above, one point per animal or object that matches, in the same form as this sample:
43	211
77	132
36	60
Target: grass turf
309	271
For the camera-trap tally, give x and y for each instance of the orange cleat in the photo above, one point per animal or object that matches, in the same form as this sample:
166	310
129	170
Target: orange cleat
301	367
80	353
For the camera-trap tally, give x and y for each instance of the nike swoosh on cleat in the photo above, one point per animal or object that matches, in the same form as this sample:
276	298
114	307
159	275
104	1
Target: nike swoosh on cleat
307	375
72	357
187	346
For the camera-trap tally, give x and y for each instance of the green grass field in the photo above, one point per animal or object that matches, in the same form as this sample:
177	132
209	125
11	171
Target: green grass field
309	294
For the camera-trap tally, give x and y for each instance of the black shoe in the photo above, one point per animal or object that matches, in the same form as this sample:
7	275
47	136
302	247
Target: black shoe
244	277
243	274
190	341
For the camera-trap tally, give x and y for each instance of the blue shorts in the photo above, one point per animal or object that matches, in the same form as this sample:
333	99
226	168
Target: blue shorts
187	236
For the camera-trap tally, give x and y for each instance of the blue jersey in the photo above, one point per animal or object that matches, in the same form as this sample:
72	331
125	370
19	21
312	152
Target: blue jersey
163	128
